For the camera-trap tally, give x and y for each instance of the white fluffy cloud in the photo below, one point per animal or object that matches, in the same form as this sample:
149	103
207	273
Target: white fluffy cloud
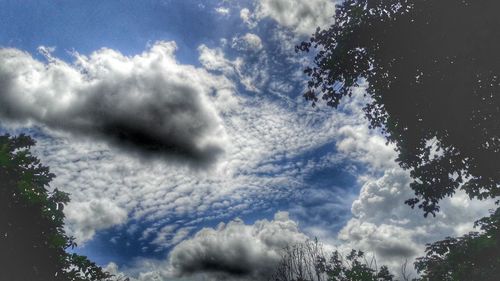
382	223
247	42
85	218
363	145
303	17
147	104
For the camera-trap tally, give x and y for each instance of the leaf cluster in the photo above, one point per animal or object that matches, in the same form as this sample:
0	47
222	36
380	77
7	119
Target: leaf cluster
33	242
474	256
354	267
432	69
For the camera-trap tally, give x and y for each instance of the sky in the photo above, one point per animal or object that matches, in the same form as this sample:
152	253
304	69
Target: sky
180	131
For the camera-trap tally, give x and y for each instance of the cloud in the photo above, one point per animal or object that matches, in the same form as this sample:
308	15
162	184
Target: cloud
260	167
366	146
303	17
223	11
262	135
247	42
271	151
262	139
248	18
381	222
215	60
141	270
85	218
232	251
386	241
168	236
147	104
268	147
235	250
251	71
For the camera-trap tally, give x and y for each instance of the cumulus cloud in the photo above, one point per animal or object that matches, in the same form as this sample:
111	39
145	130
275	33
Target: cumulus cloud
147	104
381	222
235	250
386	241
303	17
85	218
232	251
366	146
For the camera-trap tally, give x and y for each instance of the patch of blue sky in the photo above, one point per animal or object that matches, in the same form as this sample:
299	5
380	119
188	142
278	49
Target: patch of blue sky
119	246
127	26
35	132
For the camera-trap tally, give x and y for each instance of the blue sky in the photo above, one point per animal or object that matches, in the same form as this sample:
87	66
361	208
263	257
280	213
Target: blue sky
90	25
179	128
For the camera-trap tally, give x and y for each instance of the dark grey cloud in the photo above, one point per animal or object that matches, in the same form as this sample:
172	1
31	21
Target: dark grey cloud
236	251
147	104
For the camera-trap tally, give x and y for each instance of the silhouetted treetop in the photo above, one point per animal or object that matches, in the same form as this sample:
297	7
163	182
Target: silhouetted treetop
474	256
307	261
433	70
33	242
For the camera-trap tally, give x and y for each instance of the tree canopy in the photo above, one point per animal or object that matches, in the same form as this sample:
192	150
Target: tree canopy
432	69
33	242
474	256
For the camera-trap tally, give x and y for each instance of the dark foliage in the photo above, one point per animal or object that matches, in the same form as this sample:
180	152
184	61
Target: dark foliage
353	268
32	239
433	72
474	256
308	262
